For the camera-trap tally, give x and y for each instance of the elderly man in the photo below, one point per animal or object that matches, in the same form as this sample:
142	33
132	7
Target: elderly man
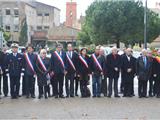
113	65
143	73
128	68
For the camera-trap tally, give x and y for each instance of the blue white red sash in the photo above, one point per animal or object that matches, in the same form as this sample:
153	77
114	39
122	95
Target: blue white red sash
41	63
59	57
70	61
97	62
29	62
83	61
43	66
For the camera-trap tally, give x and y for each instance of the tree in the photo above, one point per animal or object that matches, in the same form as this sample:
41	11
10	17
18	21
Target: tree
23	34
115	22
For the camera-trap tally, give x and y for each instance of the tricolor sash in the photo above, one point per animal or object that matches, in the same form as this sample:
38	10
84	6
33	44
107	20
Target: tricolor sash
43	66
97	62
83	61
70	61
29	62
158	59
60	59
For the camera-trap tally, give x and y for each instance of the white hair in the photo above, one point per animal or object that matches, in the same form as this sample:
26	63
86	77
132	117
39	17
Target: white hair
42	51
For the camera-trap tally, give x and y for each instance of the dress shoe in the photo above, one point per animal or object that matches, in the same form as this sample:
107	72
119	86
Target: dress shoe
33	96
61	96
117	96
56	96
72	96
109	96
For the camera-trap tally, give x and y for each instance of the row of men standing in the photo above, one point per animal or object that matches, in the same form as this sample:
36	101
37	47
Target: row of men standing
79	66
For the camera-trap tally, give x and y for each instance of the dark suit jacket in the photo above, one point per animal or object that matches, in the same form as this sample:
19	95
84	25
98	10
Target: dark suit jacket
56	65
14	64
126	64
111	64
143	72
74	59
82	69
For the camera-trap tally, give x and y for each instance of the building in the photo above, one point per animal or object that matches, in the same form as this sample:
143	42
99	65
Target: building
38	16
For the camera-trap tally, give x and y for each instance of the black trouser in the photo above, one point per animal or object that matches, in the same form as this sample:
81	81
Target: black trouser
83	84
5	83
128	85
23	86
30	84
104	86
77	81
44	90
59	79
69	87
14	85
151	87
157	86
122	83
111	80
142	88
53	86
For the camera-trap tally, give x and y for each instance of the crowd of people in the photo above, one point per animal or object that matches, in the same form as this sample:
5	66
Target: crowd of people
73	69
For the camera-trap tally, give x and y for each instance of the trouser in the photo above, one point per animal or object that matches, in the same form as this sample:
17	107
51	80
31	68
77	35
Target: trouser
142	88
128	85
59	79
5	83
77	82
14	85
157	86
104	86
30	84
96	84
69	87
44	90
83	84
111	80
53	86
151	87
23	86
122	83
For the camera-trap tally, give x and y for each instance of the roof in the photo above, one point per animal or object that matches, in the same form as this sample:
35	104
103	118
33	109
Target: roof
39	35
45	5
156	42
63	33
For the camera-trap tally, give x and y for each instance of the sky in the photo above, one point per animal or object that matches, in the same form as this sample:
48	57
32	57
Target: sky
82	5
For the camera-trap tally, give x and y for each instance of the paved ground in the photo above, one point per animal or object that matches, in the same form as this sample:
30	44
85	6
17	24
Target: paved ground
80	108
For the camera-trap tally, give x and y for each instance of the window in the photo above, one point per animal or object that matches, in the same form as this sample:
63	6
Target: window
16	28
8	12
46	14
39	14
16	12
39	27
46	27
8	28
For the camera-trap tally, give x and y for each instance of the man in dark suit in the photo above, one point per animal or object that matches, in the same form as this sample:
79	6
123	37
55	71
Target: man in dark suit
3	57
128	67
59	70
14	66
143	73
30	71
113	65
70	61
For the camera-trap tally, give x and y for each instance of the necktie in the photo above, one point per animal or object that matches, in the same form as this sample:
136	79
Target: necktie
145	62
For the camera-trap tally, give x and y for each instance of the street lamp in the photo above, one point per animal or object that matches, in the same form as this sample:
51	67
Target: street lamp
145	25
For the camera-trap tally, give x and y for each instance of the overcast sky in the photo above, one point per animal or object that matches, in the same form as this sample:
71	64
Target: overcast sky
82	5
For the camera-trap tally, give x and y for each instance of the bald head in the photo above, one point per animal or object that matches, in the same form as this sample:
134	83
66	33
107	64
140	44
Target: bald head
69	47
129	51
114	50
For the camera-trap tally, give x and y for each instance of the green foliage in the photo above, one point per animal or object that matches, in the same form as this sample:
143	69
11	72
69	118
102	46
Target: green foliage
23	34
114	22
7	35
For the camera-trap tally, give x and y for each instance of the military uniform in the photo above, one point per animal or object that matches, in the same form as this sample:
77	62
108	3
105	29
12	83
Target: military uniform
14	65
